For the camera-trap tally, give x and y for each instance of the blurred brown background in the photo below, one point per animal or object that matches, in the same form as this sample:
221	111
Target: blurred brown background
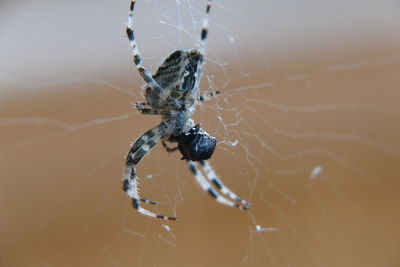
306	85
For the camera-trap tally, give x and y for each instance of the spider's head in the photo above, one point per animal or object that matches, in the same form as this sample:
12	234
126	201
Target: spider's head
196	144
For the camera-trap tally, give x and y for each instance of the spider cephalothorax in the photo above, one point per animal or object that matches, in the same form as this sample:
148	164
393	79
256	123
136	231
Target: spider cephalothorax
173	92
196	144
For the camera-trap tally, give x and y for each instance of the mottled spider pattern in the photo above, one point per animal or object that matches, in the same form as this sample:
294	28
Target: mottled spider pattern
172	92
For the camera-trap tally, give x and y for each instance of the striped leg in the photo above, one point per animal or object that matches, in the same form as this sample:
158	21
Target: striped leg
204	29
137	59
167	148
208	95
212	177
138	150
206	186
149	139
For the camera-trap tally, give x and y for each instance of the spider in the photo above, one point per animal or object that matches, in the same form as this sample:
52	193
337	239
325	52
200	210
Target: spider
173	92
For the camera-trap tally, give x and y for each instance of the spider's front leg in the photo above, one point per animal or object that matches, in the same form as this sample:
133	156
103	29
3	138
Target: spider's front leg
167	148
138	150
212	177
206	186
196	145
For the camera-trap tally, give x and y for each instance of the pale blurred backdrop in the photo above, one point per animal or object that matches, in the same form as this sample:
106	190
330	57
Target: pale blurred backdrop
307	124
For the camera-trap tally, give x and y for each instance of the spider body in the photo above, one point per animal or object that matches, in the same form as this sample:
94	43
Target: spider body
196	144
172	92
177	77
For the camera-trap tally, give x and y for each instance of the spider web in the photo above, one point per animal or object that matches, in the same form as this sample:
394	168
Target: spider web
306	123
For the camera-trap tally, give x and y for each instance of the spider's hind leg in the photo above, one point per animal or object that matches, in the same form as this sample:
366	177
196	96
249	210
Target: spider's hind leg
204	29
137	58
207	96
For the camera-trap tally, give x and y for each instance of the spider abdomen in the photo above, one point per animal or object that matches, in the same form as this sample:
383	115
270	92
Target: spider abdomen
177	77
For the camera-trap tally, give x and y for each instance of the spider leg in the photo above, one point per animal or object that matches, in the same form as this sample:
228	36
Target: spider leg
148	201
138	150
204	29
137	59
149	139
212	177
206	186
150	111
169	149
207	96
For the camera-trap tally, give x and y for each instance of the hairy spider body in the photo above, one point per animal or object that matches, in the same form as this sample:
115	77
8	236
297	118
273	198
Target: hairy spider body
173	92
196	144
177	76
